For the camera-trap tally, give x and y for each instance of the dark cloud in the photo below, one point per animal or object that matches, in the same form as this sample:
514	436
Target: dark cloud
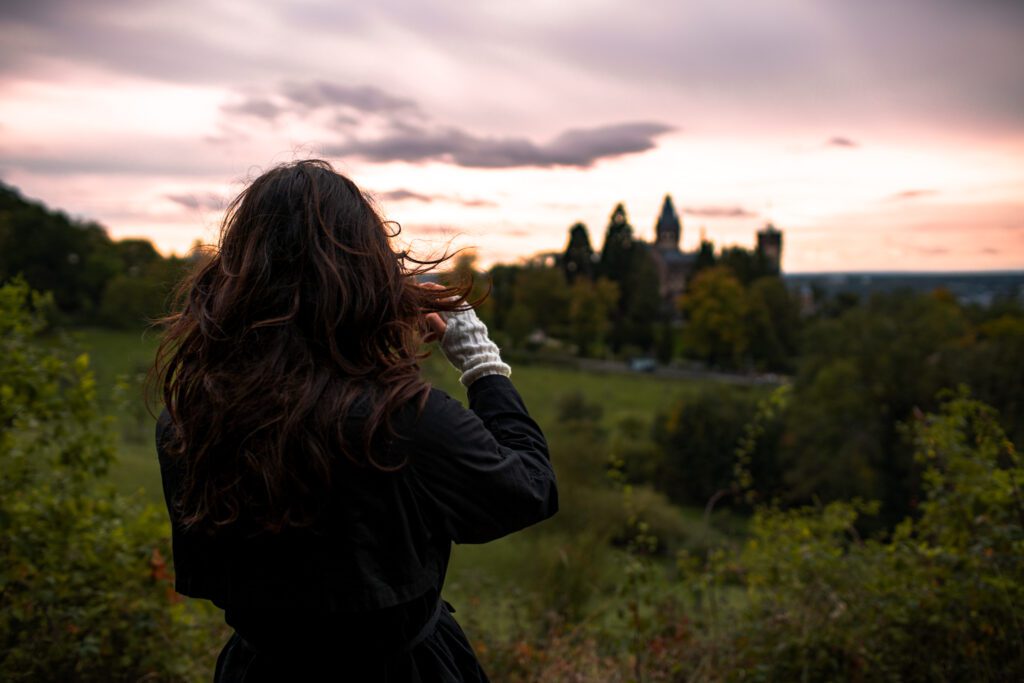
934	62
401	195
719	212
579	148
348	103
910	194
365	98
839	141
259	107
198	201
96	33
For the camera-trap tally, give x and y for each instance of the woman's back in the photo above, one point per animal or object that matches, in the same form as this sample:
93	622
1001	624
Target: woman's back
319	513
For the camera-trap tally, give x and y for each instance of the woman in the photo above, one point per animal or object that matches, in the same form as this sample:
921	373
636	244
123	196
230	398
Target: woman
314	480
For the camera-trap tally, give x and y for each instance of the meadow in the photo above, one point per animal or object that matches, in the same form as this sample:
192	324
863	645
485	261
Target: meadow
498	586
121	359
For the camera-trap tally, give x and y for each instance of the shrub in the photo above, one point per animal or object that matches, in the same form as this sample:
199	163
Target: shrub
85	591
938	599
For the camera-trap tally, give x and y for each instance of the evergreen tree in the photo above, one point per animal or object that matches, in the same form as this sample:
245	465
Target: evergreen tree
641	301
618	247
628	263
578	260
705	257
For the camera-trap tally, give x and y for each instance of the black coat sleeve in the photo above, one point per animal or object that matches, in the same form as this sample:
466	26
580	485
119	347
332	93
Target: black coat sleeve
485	471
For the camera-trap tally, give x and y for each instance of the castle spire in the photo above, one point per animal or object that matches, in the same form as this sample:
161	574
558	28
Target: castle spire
669	229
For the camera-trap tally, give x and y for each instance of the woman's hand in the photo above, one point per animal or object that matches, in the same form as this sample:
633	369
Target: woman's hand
436	327
464	342
433	322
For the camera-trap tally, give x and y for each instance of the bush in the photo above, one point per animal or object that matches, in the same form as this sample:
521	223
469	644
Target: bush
805	597
938	599
85	591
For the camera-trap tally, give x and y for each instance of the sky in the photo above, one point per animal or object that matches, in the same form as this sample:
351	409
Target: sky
876	135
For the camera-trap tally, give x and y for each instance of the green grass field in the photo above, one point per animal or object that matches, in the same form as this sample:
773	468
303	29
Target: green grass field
123	358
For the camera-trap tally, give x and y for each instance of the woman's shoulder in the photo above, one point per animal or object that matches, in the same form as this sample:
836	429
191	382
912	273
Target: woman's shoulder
443	419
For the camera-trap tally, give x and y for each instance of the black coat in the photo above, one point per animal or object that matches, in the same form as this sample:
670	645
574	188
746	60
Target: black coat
363	584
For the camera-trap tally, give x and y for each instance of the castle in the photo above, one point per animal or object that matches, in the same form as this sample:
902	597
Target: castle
675	266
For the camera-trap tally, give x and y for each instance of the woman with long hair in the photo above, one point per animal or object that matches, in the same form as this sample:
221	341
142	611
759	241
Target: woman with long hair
314	480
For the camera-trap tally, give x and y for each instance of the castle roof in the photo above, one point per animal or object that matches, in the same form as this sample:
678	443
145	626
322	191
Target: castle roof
668	221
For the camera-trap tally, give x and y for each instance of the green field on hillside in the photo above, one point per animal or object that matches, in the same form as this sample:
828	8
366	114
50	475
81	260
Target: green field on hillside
120	360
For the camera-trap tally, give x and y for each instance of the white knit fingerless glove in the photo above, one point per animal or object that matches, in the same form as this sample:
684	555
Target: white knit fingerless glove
466	346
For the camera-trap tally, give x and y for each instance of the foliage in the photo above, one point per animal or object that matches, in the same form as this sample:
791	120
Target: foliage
90	276
860	375
773	324
627	263
544	293
85	593
639	304
748	266
591	306
616	253
805	597
578	259
939	599
716	307
996	357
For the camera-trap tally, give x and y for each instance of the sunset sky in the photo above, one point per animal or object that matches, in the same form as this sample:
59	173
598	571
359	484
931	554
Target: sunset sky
875	135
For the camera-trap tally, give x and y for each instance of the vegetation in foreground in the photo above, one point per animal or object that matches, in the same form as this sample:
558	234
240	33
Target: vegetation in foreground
620	587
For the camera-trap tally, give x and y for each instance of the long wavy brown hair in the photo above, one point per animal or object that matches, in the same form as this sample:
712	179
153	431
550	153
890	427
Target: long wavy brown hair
303	311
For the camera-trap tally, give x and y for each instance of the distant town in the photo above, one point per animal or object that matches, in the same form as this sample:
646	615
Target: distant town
978	288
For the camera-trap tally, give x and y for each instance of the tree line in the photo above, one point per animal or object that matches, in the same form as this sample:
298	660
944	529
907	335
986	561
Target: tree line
736	312
93	278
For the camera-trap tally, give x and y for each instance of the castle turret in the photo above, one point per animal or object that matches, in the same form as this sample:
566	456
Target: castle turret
769	247
669	230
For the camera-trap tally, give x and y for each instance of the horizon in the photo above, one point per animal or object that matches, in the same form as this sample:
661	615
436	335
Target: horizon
874	138
523	259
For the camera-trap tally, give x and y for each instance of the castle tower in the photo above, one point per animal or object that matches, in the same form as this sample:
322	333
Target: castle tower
769	247
669	230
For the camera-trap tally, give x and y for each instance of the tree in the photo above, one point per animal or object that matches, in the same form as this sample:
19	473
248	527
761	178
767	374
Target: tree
79	264
747	265
502	296
591	305
715	306
862	376
616	254
628	263
545	292
640	303
705	257
773	324
578	260
697	437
